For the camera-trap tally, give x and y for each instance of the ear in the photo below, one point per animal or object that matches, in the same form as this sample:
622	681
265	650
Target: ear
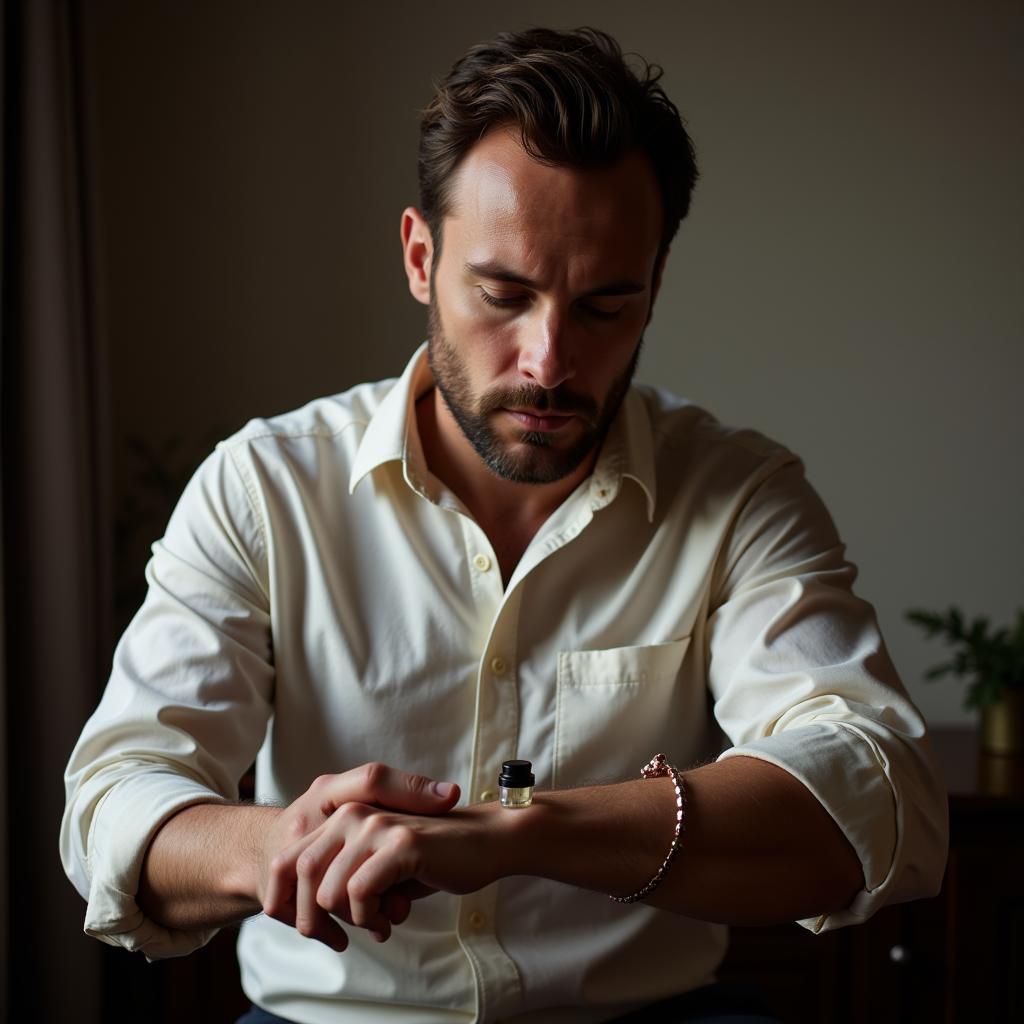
658	271
418	253
656	283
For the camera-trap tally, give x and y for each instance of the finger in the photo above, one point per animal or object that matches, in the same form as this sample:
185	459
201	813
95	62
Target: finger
311	919
333	893
326	930
414	890
279	898
395	905
396	902
372	878
384	786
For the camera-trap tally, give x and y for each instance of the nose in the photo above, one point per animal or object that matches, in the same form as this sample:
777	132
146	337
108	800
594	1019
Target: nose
545	355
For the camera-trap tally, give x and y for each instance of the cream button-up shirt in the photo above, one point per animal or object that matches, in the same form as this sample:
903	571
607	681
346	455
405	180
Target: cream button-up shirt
320	600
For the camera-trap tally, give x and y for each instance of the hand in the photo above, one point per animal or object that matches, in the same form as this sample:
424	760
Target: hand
297	826
366	865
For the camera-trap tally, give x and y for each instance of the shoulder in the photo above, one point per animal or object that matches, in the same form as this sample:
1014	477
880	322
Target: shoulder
335	420
684	433
301	458
733	481
312	449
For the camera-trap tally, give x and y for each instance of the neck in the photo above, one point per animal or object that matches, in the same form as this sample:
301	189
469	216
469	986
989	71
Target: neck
498	505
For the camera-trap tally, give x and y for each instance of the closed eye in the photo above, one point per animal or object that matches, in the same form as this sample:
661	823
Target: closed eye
513	301
604	314
507	303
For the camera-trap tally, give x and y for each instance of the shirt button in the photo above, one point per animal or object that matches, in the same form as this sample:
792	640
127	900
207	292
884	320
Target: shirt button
477	920
487	794
482	562
498	666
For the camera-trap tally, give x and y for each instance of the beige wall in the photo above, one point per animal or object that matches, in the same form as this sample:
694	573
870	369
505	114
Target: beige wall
849	280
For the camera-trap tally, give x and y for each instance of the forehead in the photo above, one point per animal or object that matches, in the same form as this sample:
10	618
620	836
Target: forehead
544	219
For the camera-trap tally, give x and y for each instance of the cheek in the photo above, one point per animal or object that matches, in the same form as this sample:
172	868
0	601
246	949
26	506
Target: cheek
465	315
459	308
620	352
485	345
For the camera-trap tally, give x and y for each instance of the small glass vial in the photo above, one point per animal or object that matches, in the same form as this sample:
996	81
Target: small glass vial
515	784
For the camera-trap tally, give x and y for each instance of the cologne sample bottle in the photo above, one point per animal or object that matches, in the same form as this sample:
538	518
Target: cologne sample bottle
515	784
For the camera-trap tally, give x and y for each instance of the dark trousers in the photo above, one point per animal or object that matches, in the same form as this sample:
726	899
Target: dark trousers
722	1003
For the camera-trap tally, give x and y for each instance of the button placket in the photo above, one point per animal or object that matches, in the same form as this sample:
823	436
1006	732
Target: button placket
498	982
495	733
484	579
498	727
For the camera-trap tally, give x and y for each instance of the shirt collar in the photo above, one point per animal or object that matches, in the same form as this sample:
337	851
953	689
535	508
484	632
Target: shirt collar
392	436
627	453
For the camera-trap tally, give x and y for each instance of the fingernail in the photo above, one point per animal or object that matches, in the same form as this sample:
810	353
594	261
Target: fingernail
444	789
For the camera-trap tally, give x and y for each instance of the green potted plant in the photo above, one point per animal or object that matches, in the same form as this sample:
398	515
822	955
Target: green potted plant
994	664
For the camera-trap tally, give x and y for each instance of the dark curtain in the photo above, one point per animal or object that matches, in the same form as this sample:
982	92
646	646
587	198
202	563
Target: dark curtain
54	484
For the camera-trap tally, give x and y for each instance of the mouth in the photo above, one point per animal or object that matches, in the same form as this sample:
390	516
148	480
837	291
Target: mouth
537	420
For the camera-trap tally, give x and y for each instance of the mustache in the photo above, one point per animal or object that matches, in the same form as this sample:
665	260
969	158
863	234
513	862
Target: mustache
556	401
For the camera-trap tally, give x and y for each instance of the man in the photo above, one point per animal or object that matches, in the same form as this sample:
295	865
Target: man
508	552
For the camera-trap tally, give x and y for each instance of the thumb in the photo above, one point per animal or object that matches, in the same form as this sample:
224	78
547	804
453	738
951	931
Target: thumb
396	790
426	795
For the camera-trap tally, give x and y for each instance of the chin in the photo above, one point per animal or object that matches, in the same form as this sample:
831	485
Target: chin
534	460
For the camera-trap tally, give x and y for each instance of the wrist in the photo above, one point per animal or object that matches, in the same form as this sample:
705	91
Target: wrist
505	838
244	879
660	767
610	839
529	840
199	868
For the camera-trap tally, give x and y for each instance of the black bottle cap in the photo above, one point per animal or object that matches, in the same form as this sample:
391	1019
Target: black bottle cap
516	774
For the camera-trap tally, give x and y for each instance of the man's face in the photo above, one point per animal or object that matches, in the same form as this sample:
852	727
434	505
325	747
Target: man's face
538	304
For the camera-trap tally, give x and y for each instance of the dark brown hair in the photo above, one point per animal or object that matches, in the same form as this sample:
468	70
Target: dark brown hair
576	103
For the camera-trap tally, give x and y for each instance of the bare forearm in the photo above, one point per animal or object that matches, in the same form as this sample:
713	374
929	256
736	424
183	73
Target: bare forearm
214	864
758	847
201	868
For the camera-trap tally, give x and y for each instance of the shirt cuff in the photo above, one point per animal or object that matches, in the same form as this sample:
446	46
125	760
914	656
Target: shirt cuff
125	822
850	775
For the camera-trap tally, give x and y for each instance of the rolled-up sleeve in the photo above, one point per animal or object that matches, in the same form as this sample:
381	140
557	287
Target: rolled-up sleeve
185	709
800	677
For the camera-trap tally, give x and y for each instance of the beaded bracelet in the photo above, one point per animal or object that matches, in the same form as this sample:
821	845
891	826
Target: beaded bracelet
655	768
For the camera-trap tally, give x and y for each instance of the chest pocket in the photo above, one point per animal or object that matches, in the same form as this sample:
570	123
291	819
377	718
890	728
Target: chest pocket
613	709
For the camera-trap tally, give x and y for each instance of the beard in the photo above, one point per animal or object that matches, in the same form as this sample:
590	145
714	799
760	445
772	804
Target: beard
534	457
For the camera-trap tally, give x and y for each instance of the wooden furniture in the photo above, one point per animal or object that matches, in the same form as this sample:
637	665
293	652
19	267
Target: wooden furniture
957	957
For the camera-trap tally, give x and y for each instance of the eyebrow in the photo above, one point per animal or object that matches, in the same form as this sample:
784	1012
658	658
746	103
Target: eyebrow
494	271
